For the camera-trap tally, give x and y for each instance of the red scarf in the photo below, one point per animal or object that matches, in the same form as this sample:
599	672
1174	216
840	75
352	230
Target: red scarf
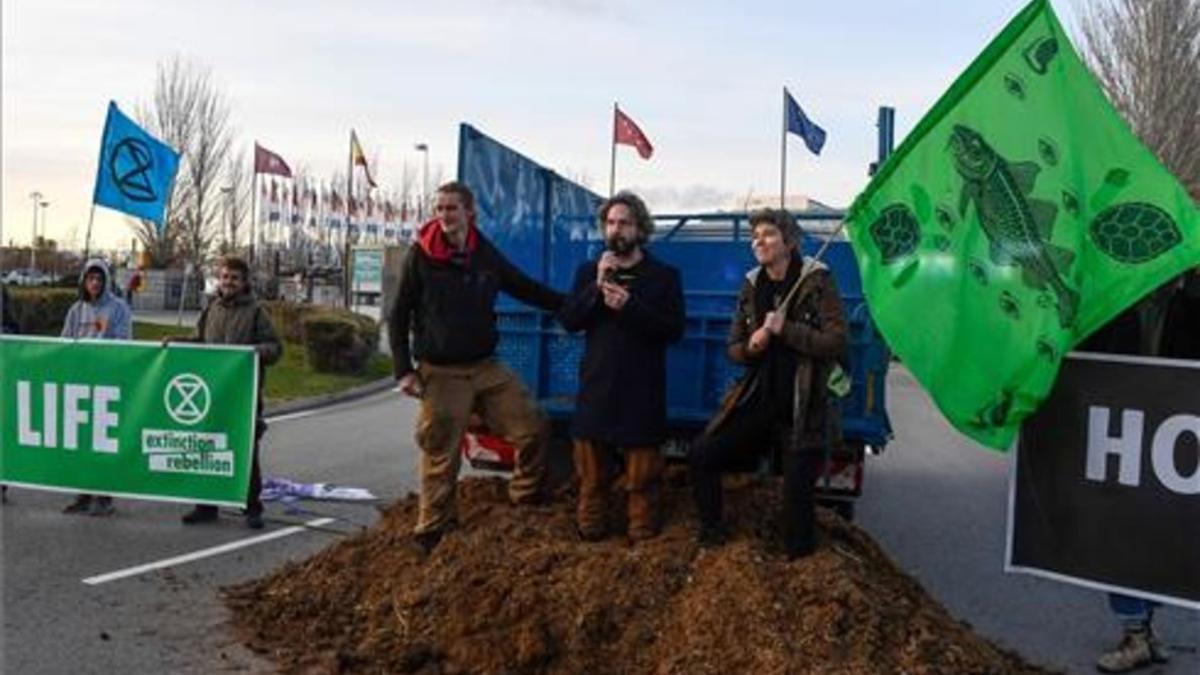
433	241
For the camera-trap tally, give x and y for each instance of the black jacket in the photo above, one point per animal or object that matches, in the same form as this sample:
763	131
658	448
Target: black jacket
1181	327
450	307
7	315
623	375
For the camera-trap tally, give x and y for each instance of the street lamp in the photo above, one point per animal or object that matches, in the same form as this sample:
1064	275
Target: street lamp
37	200
423	148
45	207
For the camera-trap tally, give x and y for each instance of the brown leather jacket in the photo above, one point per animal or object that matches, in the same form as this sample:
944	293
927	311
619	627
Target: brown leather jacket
815	327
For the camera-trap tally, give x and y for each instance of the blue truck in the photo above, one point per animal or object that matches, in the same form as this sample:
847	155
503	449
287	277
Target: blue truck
546	225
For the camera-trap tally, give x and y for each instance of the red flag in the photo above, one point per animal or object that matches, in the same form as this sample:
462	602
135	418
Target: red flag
626	132
266	161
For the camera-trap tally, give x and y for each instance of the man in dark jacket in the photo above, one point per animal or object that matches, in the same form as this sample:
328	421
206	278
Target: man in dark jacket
234	317
789	343
446	300
8	319
8	326
631	306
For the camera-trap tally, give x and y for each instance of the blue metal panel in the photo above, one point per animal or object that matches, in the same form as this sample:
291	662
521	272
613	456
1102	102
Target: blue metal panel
547	226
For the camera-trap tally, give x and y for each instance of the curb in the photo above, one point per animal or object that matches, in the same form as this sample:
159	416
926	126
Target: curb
324	400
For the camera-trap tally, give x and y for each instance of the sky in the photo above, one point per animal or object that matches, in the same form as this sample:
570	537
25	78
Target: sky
703	80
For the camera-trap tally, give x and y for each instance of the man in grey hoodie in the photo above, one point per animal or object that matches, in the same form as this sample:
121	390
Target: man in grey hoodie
98	314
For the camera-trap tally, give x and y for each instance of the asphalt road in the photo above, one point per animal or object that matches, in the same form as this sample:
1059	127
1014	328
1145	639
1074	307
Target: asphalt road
936	502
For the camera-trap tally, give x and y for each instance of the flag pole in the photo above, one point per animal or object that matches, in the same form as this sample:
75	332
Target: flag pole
783	155
253	212
87	239
349	220
612	169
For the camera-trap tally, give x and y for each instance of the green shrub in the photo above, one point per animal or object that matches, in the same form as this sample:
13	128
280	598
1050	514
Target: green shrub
289	317
336	343
41	311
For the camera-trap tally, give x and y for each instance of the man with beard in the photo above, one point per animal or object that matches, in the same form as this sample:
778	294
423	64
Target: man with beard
631	307
235	317
447	299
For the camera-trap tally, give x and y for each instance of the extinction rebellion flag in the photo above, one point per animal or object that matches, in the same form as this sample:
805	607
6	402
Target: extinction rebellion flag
1019	216
136	169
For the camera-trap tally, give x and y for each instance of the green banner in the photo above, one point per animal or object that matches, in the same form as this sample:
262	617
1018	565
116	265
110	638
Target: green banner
131	419
1019	216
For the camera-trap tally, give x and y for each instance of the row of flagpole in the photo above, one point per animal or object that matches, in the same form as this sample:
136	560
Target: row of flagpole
627	132
136	171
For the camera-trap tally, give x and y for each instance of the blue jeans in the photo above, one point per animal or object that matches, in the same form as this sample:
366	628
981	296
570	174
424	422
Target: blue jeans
1133	613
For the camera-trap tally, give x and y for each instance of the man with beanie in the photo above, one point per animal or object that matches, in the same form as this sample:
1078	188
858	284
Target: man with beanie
631	307
446	302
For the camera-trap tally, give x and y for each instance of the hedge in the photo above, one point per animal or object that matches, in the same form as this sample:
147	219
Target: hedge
42	310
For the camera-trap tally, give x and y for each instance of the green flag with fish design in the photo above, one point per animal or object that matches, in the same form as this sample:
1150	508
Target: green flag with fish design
1019	216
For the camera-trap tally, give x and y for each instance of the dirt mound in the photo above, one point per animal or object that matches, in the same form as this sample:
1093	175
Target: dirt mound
512	591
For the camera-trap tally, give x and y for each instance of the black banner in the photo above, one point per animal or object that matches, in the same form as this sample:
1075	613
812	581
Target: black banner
1106	483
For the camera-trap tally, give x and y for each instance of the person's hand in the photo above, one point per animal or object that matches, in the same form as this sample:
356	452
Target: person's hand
774	322
615	296
606	266
759	340
410	385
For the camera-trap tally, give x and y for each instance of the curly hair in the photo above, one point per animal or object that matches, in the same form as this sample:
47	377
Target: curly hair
641	215
781	219
236	264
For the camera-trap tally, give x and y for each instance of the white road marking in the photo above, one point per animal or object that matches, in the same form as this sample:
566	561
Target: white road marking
205	553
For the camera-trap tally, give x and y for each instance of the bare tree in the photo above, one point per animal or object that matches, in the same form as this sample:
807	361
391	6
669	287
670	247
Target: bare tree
237	198
1146	54
190	114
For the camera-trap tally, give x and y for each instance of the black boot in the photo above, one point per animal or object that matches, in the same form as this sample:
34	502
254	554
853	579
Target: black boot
202	513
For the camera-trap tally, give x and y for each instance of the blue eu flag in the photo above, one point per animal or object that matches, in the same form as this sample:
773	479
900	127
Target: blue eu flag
136	169
799	124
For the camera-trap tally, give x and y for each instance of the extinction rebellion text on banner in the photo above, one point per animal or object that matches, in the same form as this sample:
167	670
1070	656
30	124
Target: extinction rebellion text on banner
128	418
1106	482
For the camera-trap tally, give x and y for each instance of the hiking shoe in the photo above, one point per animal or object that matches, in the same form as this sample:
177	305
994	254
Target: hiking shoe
1157	651
82	504
102	507
200	514
1134	652
711	536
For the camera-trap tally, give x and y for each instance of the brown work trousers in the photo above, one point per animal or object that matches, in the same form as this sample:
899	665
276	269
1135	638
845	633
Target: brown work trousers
452	394
643	474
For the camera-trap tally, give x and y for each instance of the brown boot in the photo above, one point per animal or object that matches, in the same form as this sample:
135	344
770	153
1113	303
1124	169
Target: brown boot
1135	651
591	467
643	476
